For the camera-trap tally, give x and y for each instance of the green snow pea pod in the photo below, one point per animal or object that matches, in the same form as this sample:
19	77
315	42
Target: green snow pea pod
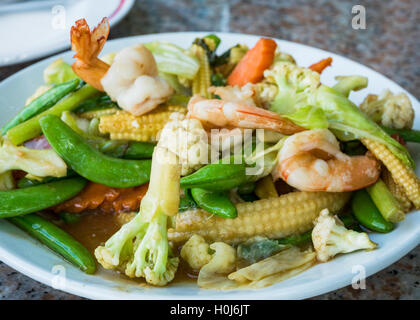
139	150
217	203
368	214
31	199
217	177
89	162
42	103
57	240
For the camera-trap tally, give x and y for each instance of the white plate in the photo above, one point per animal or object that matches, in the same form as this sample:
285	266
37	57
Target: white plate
34	33
26	255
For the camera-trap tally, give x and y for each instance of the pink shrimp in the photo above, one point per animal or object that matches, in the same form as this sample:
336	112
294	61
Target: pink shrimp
87	46
219	113
312	161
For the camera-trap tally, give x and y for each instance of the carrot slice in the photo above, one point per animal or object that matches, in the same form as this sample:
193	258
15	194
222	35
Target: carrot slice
321	65
97	196
252	65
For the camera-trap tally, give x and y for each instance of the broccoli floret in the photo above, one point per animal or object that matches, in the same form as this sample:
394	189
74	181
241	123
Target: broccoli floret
330	238
391	110
346	84
140	248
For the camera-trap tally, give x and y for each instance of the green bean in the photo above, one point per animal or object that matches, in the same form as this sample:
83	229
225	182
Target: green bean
31	128
139	150
409	135
217	203
89	162
368	214
42	103
97	103
57	240
23	201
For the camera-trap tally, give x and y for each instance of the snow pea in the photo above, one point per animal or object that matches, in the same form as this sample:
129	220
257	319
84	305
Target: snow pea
42	103
367	213
217	203
217	177
89	162
27	200
139	150
57	240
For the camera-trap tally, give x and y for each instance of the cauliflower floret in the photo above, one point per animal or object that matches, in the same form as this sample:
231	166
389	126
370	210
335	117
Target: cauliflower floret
330	238
223	260
390	110
196	252
189	141
288	83
40	163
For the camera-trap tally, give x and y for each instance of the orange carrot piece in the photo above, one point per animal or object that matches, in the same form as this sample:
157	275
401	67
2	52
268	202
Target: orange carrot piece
97	196
252	65
321	65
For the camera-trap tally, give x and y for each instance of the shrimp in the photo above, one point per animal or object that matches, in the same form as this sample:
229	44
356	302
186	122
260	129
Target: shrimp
219	113
132	80
87	46
312	161
236	94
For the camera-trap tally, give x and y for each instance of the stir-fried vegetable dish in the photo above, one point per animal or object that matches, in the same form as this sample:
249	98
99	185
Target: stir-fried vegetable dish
239	169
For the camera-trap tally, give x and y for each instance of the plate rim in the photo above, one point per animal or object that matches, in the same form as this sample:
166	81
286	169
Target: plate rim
78	288
123	8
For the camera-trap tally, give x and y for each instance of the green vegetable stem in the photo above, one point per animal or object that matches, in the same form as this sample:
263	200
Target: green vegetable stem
31	128
42	103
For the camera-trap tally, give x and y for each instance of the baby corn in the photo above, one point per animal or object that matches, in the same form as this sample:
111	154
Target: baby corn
124	126
274	218
403	176
201	82
97	113
396	191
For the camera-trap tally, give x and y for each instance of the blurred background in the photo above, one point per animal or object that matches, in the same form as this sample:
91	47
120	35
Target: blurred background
30	30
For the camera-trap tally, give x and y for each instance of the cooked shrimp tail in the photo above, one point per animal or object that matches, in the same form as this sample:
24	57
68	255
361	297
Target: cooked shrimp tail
312	161
87	46
219	113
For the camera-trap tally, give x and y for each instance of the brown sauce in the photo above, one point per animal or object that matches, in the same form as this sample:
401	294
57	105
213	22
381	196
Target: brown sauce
96	227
